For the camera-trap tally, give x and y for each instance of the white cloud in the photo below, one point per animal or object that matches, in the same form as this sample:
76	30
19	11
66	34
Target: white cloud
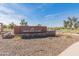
20	7
6	19
8	15
59	17
6	10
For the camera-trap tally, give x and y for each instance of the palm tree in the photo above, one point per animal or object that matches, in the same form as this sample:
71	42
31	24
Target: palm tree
71	23
65	24
23	22
76	24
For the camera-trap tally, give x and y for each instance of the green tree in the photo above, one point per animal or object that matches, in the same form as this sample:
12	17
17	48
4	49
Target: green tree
71	23
11	25
4	26
77	24
23	22
66	24
39	25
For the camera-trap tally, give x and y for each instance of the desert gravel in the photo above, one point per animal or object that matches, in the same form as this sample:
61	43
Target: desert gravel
50	46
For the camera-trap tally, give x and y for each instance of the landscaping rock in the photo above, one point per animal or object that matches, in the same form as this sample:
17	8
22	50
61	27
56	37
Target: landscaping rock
8	35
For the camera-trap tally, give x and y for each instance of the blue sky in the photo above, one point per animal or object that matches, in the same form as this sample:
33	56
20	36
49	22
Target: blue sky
47	14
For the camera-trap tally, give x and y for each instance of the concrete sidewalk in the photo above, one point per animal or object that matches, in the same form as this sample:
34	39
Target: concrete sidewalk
73	50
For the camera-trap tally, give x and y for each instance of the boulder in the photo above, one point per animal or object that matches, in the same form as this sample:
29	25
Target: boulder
8	35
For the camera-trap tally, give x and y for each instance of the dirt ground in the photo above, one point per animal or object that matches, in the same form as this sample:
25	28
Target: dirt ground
50	46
